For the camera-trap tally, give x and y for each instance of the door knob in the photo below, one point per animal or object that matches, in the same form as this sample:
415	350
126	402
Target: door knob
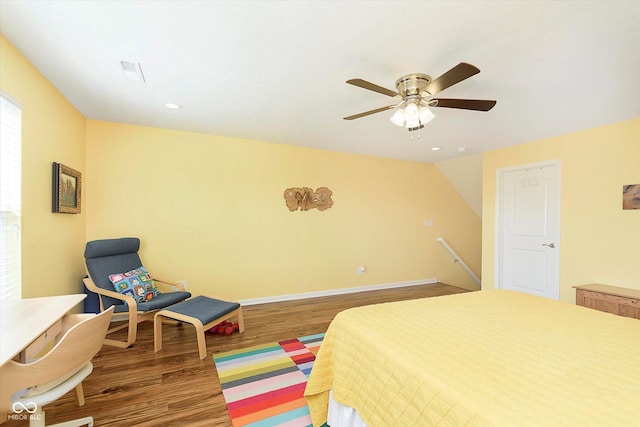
551	245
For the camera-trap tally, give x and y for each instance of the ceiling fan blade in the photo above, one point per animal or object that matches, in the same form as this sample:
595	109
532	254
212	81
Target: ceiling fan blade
374	87
366	113
465	104
455	75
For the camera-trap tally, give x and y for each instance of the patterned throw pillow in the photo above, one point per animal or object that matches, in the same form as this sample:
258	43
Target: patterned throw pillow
135	283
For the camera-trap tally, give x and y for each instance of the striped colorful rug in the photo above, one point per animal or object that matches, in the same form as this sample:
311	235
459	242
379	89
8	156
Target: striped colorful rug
264	385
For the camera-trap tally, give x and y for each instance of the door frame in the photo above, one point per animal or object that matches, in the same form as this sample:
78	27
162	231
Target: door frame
498	253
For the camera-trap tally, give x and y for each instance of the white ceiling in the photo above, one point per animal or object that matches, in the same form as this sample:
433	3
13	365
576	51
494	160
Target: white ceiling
276	70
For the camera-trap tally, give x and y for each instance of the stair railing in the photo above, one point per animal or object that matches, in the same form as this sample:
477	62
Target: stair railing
457	258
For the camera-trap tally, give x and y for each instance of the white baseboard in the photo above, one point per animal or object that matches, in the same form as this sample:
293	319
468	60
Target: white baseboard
291	297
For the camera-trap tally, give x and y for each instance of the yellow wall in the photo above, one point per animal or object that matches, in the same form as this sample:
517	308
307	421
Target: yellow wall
210	210
600	242
52	131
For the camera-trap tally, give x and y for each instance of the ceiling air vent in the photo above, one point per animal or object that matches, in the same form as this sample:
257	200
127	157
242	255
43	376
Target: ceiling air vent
132	71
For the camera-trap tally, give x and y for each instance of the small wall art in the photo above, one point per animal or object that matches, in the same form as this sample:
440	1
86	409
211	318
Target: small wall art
631	196
305	198
66	190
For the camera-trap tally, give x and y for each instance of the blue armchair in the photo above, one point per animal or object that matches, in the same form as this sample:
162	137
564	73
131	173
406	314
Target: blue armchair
117	275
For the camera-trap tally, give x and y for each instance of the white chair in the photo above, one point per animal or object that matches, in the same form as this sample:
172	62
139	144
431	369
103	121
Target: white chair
26	387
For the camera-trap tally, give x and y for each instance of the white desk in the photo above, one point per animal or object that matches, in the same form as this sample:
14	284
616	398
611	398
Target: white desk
26	320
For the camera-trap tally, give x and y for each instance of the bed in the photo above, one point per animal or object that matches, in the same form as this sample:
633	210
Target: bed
485	358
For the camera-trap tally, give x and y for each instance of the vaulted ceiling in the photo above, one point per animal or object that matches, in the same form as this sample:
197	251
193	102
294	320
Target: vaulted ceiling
275	70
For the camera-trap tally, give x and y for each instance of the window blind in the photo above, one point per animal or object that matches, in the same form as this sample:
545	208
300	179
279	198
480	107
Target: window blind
10	197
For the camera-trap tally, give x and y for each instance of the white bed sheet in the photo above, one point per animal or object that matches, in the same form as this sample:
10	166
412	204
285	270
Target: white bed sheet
340	415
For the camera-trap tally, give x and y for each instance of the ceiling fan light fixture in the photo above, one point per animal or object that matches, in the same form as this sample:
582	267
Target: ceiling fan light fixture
412	116
413	124
425	115
411	113
398	117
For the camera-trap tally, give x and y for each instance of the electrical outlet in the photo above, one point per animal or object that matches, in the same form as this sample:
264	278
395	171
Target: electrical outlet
362	269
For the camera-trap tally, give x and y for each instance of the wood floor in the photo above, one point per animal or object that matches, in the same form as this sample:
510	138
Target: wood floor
137	387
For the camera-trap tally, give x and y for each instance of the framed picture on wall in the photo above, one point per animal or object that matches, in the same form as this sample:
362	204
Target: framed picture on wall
67	189
631	196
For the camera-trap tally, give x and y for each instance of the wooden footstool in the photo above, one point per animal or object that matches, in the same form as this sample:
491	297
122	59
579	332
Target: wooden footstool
202	312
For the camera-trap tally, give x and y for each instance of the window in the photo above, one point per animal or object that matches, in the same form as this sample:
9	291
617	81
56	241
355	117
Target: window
10	197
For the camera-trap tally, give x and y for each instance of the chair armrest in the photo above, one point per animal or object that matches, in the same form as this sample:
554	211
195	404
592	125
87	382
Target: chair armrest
177	284
133	305
69	320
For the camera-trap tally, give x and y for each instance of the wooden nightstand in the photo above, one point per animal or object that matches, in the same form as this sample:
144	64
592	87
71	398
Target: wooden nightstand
612	299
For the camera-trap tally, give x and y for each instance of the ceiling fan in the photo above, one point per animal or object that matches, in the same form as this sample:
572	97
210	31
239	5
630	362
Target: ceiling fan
415	91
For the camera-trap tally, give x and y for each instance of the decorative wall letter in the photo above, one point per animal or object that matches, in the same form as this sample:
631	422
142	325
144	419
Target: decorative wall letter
305	198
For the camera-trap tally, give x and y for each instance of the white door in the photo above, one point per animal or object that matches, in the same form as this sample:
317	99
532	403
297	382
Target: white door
528	229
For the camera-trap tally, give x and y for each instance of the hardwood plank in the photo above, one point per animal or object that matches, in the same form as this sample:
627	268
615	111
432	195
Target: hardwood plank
137	387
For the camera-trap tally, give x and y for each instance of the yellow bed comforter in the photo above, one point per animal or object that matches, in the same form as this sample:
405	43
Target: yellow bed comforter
487	358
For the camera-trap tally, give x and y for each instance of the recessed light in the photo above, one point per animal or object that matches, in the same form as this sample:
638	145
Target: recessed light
462	149
173	106
435	148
